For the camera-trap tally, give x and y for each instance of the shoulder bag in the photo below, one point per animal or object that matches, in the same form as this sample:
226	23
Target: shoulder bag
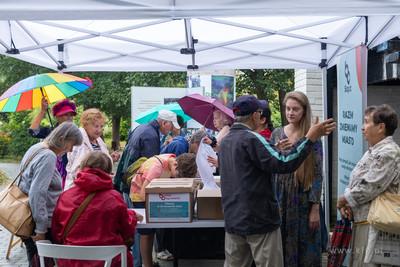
15	212
129	242
384	213
77	214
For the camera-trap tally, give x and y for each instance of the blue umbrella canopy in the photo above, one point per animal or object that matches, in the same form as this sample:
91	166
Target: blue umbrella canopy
151	114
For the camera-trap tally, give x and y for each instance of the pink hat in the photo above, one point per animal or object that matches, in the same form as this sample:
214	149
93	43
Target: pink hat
63	107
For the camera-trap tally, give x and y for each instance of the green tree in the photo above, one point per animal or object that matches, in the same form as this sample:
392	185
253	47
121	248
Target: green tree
268	84
13	70
111	92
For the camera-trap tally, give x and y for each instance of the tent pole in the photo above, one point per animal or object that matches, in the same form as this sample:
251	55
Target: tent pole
323	66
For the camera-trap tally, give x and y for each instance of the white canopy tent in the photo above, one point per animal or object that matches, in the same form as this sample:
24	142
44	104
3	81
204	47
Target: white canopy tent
137	35
179	35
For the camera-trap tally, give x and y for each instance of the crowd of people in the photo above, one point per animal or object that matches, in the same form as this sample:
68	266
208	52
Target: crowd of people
271	181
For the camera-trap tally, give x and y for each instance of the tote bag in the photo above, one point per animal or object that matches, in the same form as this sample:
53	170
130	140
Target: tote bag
15	212
384	213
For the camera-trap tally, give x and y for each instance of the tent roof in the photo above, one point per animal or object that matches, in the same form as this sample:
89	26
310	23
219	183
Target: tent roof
137	35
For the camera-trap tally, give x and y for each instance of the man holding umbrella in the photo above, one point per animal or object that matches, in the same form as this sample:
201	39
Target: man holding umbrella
143	141
246	163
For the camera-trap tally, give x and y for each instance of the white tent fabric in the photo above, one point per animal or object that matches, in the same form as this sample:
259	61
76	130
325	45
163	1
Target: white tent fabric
137	35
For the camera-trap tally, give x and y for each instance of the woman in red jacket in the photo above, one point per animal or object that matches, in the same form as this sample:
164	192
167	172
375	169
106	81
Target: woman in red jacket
106	220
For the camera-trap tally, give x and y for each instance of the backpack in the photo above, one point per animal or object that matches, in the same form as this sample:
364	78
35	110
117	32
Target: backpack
131	171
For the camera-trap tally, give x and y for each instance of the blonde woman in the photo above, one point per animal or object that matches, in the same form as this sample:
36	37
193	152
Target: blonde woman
92	121
299	193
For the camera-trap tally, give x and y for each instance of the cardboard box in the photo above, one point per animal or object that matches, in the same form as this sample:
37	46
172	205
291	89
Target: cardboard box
209	205
170	200
199	183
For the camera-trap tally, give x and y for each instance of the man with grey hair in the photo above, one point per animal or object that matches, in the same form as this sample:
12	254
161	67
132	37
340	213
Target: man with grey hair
246	162
143	141
195	140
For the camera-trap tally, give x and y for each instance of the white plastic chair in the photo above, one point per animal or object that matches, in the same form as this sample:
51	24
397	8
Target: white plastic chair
101	253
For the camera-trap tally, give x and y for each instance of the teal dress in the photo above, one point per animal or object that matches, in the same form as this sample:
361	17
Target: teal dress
300	246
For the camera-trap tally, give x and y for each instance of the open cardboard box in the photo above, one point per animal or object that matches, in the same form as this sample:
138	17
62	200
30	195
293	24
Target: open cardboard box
170	200
209	205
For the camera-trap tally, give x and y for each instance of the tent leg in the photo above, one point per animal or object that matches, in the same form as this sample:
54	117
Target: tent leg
323	66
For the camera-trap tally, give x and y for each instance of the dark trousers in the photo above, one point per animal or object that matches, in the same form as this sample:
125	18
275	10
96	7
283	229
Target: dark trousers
31	249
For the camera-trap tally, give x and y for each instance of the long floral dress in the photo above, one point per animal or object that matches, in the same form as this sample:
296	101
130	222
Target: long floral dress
300	246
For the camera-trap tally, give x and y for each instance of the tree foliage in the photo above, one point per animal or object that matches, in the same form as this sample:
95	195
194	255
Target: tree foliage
17	123
268	84
111	92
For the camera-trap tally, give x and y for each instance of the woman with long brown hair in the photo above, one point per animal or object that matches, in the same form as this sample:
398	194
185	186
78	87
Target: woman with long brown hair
299	193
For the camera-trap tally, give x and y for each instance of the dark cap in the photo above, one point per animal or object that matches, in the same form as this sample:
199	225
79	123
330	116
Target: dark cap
264	103
248	104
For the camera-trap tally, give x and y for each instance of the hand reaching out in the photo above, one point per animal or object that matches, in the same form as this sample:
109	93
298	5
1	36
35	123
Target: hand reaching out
213	161
320	129
139	217
115	156
283	144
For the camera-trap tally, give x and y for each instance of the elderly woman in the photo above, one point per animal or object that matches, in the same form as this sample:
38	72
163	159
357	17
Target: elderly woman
42	182
63	111
376	172
92	121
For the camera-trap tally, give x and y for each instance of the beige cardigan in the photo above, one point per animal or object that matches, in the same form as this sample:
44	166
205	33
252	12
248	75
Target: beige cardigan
76	156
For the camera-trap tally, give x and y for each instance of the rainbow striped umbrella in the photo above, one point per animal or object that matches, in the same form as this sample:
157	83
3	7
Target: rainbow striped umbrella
28	93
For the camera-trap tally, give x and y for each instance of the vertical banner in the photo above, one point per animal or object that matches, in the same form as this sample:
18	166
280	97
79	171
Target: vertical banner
351	95
218	84
222	89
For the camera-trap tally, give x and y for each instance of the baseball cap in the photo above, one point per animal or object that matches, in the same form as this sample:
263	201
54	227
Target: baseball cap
264	102
169	116
247	104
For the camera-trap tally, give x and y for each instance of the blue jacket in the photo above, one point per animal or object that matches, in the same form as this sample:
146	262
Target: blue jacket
164	136
178	146
143	141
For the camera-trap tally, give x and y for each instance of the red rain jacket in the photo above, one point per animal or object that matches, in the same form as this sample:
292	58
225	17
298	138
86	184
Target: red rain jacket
266	133
105	221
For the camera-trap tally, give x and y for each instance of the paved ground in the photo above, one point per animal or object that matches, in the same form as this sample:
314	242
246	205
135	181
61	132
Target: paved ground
18	255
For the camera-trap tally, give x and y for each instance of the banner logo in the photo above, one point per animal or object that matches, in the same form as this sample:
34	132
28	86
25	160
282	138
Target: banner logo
347	72
161	196
347	88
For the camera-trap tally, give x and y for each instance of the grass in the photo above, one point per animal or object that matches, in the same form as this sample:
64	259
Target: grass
3	178
108	143
11	159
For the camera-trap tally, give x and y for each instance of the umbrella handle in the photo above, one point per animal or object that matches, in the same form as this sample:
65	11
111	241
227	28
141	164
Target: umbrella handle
48	113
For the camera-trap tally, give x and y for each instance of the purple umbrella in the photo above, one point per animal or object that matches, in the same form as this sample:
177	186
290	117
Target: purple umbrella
201	109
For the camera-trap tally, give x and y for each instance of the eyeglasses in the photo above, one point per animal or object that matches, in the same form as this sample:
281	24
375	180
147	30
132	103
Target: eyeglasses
260	111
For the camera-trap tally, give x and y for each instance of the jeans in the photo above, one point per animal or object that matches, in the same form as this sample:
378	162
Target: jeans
137	257
31	249
158	240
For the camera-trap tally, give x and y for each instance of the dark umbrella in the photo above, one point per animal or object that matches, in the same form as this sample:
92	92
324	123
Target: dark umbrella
340	241
201	109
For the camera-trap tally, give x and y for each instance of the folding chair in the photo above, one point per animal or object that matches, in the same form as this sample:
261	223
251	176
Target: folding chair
101	253
12	244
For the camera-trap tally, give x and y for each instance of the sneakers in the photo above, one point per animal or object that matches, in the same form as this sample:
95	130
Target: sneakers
164	255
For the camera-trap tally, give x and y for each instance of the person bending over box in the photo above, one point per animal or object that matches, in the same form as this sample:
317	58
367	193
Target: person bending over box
161	166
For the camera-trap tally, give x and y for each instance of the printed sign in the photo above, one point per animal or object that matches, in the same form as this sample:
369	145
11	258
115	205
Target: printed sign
351	91
169	207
